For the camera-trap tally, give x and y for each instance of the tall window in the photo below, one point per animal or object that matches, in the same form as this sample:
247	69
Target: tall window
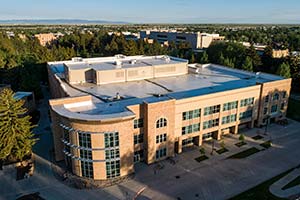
267	99
229	119
111	139
274	109
284	94
67	139
230	105
138	138
191	114
276	96
84	139
161	153
87	169
211	110
282	106
138	123
247	102
161	138
112	154
162	122
112	169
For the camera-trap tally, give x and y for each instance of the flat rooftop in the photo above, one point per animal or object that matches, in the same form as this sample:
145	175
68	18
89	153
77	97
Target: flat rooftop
200	80
109	63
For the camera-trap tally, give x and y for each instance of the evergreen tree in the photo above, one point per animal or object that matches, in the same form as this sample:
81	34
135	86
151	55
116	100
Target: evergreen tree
204	58
192	59
221	59
251	52
15	128
228	63
248	66
284	70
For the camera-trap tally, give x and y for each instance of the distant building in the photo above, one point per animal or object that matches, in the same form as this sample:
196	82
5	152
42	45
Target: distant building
23	37
46	38
27	97
278	53
197	40
112	112
260	48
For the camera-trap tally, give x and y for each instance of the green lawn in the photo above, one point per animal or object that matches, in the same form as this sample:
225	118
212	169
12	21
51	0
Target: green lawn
261	191
293	183
244	154
293	111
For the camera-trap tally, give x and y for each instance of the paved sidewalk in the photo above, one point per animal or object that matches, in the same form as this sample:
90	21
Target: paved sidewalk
276	188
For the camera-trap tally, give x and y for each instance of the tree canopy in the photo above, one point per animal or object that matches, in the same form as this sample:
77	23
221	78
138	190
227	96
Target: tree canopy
15	127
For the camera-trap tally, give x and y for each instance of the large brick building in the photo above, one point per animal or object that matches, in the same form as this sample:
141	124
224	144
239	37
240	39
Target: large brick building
108	113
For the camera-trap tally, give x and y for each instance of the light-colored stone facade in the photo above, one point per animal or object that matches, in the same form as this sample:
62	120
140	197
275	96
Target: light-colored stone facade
163	120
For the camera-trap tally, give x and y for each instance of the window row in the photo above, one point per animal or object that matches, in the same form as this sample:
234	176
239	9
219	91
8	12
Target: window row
191	114
210	123
190	129
207	136
138	138
230	105
161	138
247	102
161	153
229	119
246	114
211	110
187	142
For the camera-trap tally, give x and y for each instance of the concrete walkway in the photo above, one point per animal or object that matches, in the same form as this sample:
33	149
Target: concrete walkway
276	188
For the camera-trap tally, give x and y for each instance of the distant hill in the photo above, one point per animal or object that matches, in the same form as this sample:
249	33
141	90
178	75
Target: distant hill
58	21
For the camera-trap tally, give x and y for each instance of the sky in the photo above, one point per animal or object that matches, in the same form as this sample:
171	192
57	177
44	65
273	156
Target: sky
156	11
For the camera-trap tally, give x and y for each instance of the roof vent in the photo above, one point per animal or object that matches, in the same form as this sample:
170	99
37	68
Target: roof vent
167	58
257	74
77	59
132	62
118	56
118	63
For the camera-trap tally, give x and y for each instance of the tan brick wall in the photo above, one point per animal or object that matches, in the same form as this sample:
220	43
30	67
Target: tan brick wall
270	89
153	112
